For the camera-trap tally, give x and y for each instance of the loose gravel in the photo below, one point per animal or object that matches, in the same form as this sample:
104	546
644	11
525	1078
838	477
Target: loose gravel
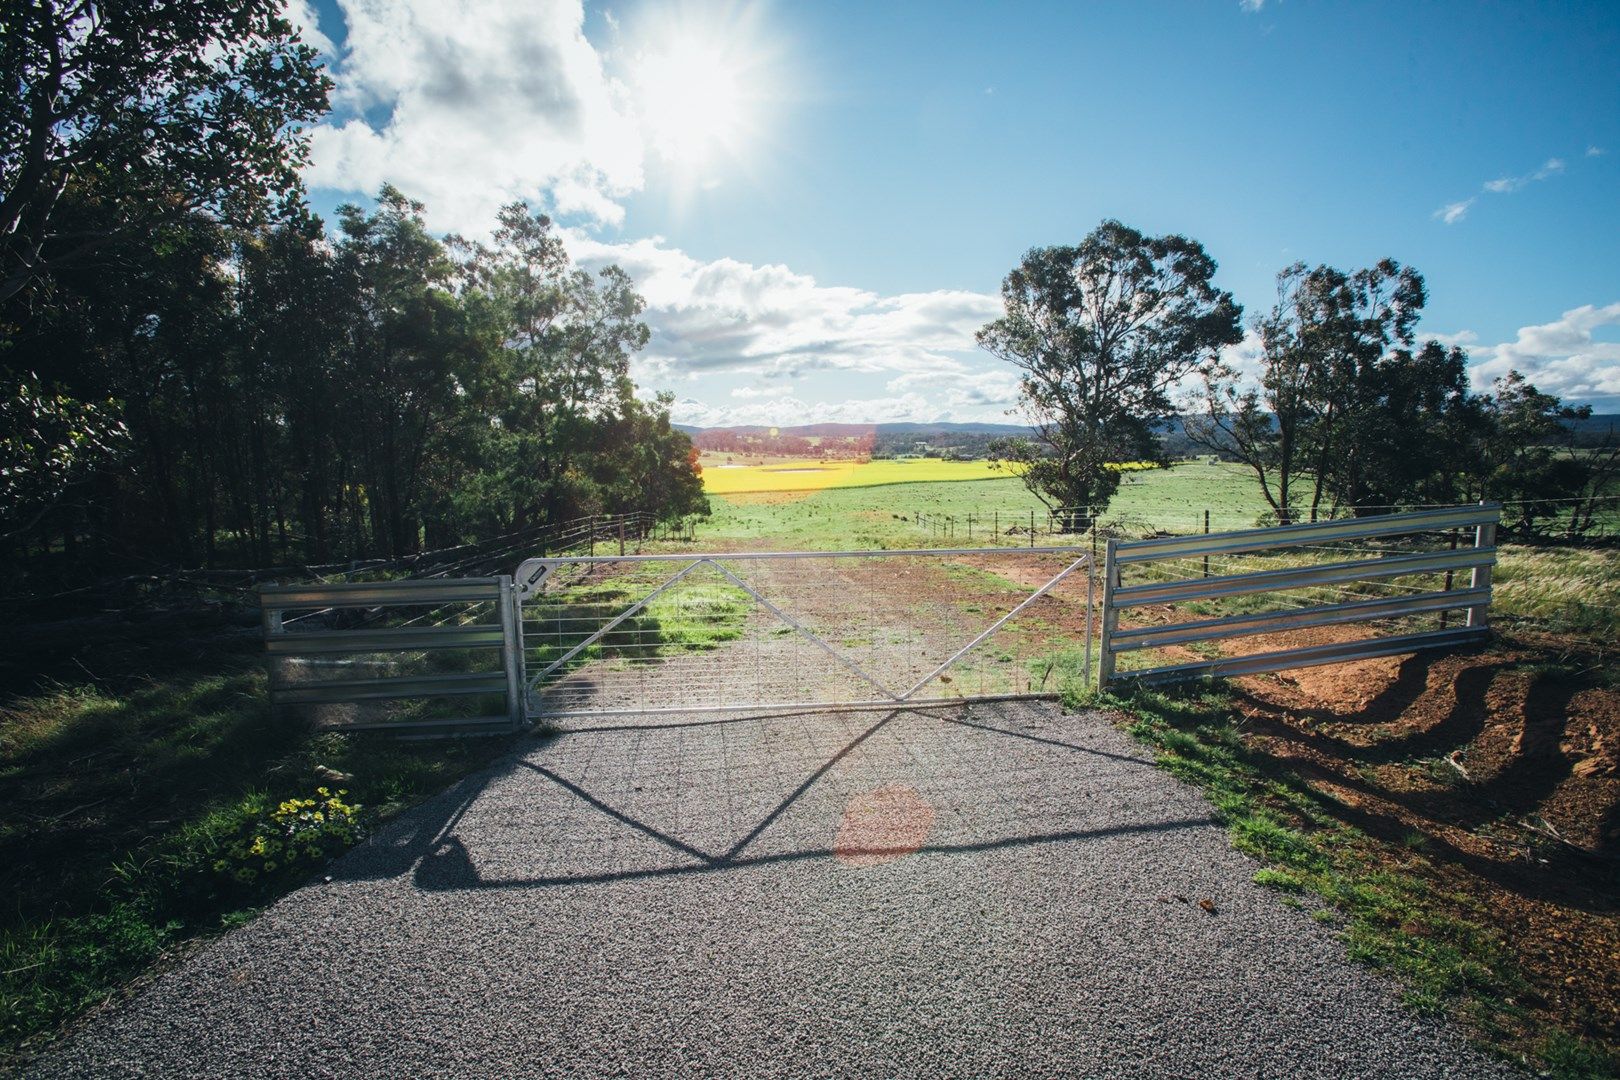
997	890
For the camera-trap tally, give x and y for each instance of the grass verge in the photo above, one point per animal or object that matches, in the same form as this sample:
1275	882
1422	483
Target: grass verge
136	816
1441	945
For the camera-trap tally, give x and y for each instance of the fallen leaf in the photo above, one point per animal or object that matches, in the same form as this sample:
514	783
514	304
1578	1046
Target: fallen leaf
1207	904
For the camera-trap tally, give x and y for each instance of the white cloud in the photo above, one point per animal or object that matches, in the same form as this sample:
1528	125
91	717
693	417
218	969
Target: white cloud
1251	6
470	105
770	322
1451	213
1595	151
304	20
974	391
1465	338
1563	357
793	412
753	393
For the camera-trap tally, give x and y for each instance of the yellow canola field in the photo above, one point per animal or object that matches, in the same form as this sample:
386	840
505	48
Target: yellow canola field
812	475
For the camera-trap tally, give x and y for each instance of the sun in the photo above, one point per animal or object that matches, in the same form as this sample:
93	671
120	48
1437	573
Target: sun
703	80
692	101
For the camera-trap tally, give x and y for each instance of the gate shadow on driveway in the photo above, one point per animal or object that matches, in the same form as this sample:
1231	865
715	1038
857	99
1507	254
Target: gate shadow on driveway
696	797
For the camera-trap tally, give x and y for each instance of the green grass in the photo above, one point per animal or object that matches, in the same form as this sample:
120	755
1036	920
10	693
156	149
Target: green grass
695	615
117	799
885	517
1574	590
1447	953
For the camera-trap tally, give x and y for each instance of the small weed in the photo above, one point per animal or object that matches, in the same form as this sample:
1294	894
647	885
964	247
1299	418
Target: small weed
1571	1058
1279	879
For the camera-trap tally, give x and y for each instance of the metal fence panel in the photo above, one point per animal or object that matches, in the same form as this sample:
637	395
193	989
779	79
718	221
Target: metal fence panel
307	625
1316	532
1474	599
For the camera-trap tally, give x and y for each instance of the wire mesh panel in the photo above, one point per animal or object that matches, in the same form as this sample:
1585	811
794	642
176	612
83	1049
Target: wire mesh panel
742	631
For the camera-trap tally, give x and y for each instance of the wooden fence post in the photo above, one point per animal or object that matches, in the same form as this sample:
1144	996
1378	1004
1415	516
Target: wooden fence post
1206	533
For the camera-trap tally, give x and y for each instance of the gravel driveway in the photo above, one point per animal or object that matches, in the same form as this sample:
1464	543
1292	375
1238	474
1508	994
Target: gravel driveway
998	890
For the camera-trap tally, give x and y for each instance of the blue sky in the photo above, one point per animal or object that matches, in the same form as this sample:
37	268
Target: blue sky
820	199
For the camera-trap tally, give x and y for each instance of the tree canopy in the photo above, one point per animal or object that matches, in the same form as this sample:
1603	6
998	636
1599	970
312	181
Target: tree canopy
1100	333
146	111
268	394
1348	412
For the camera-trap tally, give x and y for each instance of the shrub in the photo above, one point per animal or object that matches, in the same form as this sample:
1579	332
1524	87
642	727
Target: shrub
298	834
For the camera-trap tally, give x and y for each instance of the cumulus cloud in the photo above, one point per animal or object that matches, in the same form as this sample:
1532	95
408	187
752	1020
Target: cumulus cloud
1563	357
304	20
771	322
1451	213
966	391
473	104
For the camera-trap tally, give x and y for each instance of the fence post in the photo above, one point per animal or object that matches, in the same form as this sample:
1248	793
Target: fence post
1445	615
1206	533
1110	618
996	528
512	651
1484	539
590	527
621	538
1032	528
1091	596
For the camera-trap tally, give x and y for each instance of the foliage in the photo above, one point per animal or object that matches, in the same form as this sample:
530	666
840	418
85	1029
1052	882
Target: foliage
297	834
1518	459
148	111
49	444
1348	411
1100	332
1342	402
117	802
290	399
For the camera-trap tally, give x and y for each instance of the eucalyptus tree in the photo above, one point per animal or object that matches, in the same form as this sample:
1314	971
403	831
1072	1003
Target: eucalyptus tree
1100	333
155	110
407	349
566	337
1333	407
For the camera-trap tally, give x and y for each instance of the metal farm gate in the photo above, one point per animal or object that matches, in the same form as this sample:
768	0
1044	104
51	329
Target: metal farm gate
1303	594
585	635
754	631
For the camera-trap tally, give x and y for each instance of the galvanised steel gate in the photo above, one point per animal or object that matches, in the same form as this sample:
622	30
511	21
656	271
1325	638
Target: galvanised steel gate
754	631
351	653
1287	586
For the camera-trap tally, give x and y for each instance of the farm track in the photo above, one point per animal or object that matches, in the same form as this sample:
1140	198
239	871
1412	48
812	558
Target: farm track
1002	890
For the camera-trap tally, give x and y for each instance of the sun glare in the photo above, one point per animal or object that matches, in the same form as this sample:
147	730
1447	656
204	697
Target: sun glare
702	81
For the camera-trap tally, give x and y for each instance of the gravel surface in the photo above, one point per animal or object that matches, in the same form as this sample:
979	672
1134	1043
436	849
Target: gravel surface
999	890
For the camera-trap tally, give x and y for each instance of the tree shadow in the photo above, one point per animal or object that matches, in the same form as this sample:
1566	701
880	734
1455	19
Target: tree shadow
442	861
1463	723
1561	875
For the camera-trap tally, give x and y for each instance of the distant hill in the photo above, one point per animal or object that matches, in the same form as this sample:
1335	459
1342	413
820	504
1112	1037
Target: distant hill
855	431
1597	423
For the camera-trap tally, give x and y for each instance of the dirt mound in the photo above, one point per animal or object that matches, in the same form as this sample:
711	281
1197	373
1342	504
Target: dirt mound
1499	767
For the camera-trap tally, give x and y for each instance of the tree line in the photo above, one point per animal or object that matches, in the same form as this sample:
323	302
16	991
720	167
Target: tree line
257	396
1347	409
197	373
